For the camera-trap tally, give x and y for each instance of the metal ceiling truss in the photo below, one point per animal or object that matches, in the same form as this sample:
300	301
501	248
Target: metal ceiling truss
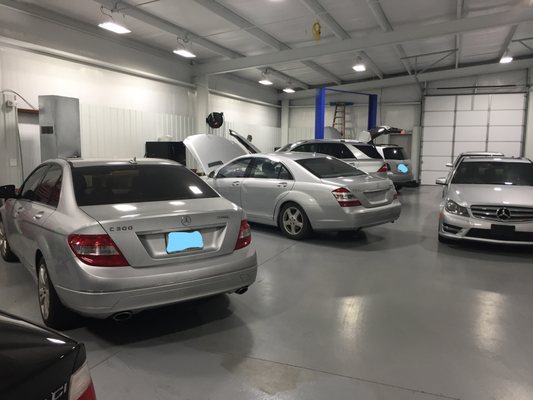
249	27
169	27
523	41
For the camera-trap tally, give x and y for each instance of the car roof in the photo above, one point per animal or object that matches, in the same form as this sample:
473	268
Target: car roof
497	159
481	153
349	141
98	162
288	155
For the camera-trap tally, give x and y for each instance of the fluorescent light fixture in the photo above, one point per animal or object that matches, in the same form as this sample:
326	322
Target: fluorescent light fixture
114	27
289	90
184	53
265	82
506	59
359	67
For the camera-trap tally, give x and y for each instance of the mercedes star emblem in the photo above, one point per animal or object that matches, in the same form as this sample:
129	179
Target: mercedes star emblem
186	220
503	214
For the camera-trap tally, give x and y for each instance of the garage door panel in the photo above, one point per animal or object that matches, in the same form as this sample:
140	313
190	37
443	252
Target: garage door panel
434	118
510	149
505	133
471	133
431	163
472	118
437	149
438	133
508	102
464	103
461	147
429	177
507	117
439	103
481	102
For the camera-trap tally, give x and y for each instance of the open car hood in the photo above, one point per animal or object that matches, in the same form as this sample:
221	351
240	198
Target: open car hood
374	133
252	149
212	151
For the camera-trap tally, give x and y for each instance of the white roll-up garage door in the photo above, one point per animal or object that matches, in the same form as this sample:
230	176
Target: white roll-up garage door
454	124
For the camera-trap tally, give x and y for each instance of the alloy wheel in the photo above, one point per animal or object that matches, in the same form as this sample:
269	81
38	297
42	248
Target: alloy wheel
44	292
293	221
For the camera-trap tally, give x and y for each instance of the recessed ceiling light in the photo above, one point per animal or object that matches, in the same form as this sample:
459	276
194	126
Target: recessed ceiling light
289	90
184	53
359	67
265	82
114	27
506	59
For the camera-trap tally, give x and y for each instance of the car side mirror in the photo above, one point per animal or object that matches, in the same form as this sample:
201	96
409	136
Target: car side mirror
441	181
211	175
449	164
8	192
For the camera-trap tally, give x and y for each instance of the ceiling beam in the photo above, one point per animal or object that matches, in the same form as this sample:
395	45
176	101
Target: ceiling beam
450	73
507	41
166	26
249	27
319	10
386	26
401	35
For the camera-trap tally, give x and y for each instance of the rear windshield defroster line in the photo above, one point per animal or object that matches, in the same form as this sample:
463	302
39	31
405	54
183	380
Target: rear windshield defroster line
115	184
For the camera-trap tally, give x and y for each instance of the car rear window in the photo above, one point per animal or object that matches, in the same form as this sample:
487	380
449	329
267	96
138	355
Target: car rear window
368	150
394	153
494	173
114	184
328	167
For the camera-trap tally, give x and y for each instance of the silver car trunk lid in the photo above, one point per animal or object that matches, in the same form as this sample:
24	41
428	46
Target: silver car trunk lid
370	191
141	230
212	151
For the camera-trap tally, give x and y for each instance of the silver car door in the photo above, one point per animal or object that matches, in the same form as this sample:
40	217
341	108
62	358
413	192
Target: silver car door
38	205
268	181
228	179
15	227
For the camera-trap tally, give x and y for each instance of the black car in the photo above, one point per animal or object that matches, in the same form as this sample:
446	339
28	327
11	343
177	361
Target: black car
39	364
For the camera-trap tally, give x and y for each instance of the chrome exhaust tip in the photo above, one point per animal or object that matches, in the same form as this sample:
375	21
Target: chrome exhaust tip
122	316
242	290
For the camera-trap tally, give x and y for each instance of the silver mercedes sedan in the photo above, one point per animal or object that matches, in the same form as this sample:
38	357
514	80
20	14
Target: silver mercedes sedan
489	200
301	192
112	238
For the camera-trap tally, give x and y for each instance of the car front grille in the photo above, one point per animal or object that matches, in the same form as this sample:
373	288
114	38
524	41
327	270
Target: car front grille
488	234
503	213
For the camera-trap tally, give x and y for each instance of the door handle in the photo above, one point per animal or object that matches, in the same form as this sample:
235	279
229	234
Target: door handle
236	183
282	184
39	215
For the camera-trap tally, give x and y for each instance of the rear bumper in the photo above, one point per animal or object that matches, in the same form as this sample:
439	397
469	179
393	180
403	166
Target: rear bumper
105	304
401	178
360	217
479	230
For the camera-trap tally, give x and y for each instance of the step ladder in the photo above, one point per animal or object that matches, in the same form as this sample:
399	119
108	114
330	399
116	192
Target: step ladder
340	120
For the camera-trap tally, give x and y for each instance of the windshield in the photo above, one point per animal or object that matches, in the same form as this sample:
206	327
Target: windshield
368	150
285	148
494	173
394	153
328	167
115	184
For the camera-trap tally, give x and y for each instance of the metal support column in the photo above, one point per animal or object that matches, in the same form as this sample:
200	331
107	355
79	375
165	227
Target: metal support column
372	110
320	112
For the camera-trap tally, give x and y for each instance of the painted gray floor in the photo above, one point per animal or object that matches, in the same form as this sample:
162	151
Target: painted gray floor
385	314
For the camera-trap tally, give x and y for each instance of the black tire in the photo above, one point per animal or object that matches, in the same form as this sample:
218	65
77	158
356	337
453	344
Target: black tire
398	187
55	315
5	250
293	222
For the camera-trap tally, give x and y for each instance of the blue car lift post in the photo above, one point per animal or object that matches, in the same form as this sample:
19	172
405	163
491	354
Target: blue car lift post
320	109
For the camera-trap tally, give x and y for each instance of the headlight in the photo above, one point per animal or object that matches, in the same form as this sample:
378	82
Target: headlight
453	208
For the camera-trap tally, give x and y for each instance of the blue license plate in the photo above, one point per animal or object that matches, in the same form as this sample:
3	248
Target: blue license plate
181	241
403	168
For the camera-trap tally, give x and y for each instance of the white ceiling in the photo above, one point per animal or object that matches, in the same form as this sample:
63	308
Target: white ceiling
290	22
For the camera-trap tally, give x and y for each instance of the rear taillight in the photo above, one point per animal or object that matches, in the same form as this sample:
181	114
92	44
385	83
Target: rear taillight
81	385
345	197
384	168
245	235
97	250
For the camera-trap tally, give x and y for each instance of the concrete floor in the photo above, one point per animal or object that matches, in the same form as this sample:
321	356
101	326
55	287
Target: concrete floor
384	314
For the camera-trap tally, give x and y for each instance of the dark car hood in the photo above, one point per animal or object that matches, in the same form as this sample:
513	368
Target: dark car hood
26	349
